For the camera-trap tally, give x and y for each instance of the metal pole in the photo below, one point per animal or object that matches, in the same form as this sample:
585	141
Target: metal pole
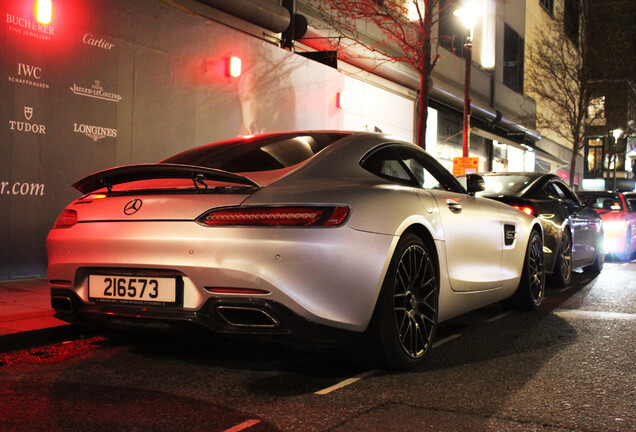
466	132
615	161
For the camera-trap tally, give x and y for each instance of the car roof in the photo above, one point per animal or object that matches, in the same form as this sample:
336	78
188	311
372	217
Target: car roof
599	193
531	175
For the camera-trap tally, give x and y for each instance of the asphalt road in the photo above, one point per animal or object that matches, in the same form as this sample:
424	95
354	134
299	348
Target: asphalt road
571	366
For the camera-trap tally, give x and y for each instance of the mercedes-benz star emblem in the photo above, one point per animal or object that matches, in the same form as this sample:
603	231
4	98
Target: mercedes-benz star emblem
132	207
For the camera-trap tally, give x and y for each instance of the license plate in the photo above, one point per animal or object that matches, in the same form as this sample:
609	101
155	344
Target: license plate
132	289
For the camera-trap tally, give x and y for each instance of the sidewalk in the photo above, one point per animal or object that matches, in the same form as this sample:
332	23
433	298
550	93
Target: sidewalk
26	316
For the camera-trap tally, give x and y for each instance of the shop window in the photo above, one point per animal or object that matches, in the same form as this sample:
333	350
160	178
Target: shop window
594	159
596	108
513	59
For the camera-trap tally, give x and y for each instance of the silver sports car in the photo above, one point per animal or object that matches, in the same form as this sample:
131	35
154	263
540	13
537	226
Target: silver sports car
330	237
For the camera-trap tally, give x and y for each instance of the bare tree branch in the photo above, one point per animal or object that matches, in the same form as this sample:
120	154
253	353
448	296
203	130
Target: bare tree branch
558	77
410	33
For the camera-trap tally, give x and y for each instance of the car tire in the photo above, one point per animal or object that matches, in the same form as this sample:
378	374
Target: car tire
599	260
531	289
562	275
405	319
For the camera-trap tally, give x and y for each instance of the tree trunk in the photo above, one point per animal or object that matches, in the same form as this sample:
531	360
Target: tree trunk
426	66
422	111
573	167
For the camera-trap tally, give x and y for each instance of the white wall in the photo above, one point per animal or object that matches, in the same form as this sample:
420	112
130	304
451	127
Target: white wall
368	107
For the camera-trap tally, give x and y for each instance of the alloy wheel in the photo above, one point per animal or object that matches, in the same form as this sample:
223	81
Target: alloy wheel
536	271
415	301
566	257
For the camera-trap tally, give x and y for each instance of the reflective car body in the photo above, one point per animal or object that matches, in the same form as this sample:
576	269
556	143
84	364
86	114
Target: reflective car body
618	212
291	234
573	234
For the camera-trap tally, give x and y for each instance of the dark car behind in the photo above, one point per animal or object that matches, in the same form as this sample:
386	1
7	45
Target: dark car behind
573	234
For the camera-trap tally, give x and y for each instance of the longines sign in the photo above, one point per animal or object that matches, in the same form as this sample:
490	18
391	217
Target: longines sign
94	132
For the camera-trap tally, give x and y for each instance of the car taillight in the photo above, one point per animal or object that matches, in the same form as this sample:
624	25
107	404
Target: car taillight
526	209
275	216
66	219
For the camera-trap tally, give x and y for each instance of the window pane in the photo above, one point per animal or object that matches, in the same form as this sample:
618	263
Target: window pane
513	59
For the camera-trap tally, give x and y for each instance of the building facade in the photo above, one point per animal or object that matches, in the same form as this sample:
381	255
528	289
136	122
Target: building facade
117	82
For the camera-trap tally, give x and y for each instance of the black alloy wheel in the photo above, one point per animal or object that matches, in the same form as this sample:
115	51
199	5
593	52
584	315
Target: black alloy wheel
406	314
563	265
531	289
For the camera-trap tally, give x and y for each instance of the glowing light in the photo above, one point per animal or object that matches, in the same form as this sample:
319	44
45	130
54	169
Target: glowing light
43	11
469	14
341	100
527	210
233	67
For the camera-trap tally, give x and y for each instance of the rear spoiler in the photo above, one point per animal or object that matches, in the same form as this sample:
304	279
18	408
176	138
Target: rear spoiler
130	173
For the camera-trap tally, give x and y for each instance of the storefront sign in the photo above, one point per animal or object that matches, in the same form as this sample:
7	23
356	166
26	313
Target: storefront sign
465	165
96	91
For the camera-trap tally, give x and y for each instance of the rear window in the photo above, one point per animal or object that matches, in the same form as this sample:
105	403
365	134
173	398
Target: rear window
603	201
266	153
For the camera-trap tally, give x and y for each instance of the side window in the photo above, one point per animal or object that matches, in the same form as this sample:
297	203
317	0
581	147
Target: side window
631	203
565	192
388	164
552	192
393	168
407	166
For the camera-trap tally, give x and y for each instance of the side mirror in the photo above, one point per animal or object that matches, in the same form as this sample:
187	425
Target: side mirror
475	183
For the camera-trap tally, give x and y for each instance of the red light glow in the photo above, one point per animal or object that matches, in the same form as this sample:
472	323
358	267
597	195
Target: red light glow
341	100
276	216
233	67
67	219
221	290
526	209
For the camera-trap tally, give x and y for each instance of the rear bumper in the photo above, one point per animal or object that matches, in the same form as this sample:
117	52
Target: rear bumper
329	276
234	317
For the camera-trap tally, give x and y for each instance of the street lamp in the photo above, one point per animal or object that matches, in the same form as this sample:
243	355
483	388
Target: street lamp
468	15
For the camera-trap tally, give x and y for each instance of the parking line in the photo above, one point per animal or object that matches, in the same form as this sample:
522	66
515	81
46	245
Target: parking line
242	426
498	317
346	382
600	315
446	339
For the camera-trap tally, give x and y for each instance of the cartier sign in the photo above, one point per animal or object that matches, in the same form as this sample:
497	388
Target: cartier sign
90	39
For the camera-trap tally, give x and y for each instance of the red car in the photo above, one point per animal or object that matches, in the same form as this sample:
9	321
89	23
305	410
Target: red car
618	212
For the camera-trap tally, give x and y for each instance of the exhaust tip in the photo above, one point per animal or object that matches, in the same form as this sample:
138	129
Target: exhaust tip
240	316
62	304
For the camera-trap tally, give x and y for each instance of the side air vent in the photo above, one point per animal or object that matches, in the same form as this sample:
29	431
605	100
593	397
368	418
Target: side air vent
510	234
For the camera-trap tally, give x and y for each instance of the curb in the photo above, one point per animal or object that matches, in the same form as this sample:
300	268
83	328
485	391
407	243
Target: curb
47	336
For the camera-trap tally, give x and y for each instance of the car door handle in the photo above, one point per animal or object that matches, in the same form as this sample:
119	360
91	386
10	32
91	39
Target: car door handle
454	206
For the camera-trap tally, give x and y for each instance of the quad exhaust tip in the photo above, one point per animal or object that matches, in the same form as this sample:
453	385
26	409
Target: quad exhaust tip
242	316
